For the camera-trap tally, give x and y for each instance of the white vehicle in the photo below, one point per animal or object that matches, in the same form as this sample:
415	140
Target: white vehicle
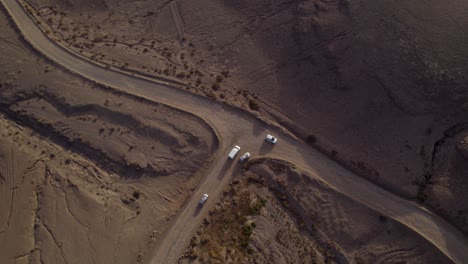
234	152
271	139
203	200
244	157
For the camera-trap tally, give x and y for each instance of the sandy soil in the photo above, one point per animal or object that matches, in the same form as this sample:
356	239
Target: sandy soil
316	63
87	175
381	99
274	213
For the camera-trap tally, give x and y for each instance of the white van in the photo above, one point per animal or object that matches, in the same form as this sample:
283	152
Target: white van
234	152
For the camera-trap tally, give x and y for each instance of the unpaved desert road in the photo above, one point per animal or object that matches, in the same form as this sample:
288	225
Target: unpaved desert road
236	127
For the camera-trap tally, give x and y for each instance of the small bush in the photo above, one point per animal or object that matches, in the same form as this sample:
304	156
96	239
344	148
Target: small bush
215	86
247	230
211	95
219	78
253	105
244	244
180	75
258	205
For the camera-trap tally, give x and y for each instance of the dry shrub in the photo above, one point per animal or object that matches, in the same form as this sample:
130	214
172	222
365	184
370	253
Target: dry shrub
253	105
216	86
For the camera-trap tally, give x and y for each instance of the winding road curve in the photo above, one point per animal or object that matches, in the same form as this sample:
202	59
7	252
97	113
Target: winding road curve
236	127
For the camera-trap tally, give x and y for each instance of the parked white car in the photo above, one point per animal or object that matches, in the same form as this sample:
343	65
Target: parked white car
203	200
271	139
244	157
234	152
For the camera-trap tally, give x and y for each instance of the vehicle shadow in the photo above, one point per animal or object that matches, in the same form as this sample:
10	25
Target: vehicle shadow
235	162
225	167
197	210
265	148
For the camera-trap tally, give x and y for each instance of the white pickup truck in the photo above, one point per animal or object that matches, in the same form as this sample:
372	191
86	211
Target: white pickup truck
234	152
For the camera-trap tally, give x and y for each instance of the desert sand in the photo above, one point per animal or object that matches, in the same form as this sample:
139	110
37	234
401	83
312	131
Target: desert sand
87	175
375	86
382	99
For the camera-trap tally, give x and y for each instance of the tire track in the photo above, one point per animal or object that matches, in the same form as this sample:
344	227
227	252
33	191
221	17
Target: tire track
177	18
8	187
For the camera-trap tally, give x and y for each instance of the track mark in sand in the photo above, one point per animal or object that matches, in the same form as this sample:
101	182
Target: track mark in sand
384	254
65	198
334	215
2	179
75	218
163	196
396	256
8	188
177	18
55	240
39	222
339	36
12	200
11	44
92	248
37	199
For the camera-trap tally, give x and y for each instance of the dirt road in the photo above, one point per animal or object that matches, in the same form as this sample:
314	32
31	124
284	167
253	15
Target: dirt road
236	127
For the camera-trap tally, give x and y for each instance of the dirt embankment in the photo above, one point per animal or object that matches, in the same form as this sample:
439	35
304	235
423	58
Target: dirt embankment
60	208
124	134
274	213
375	84
87	175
